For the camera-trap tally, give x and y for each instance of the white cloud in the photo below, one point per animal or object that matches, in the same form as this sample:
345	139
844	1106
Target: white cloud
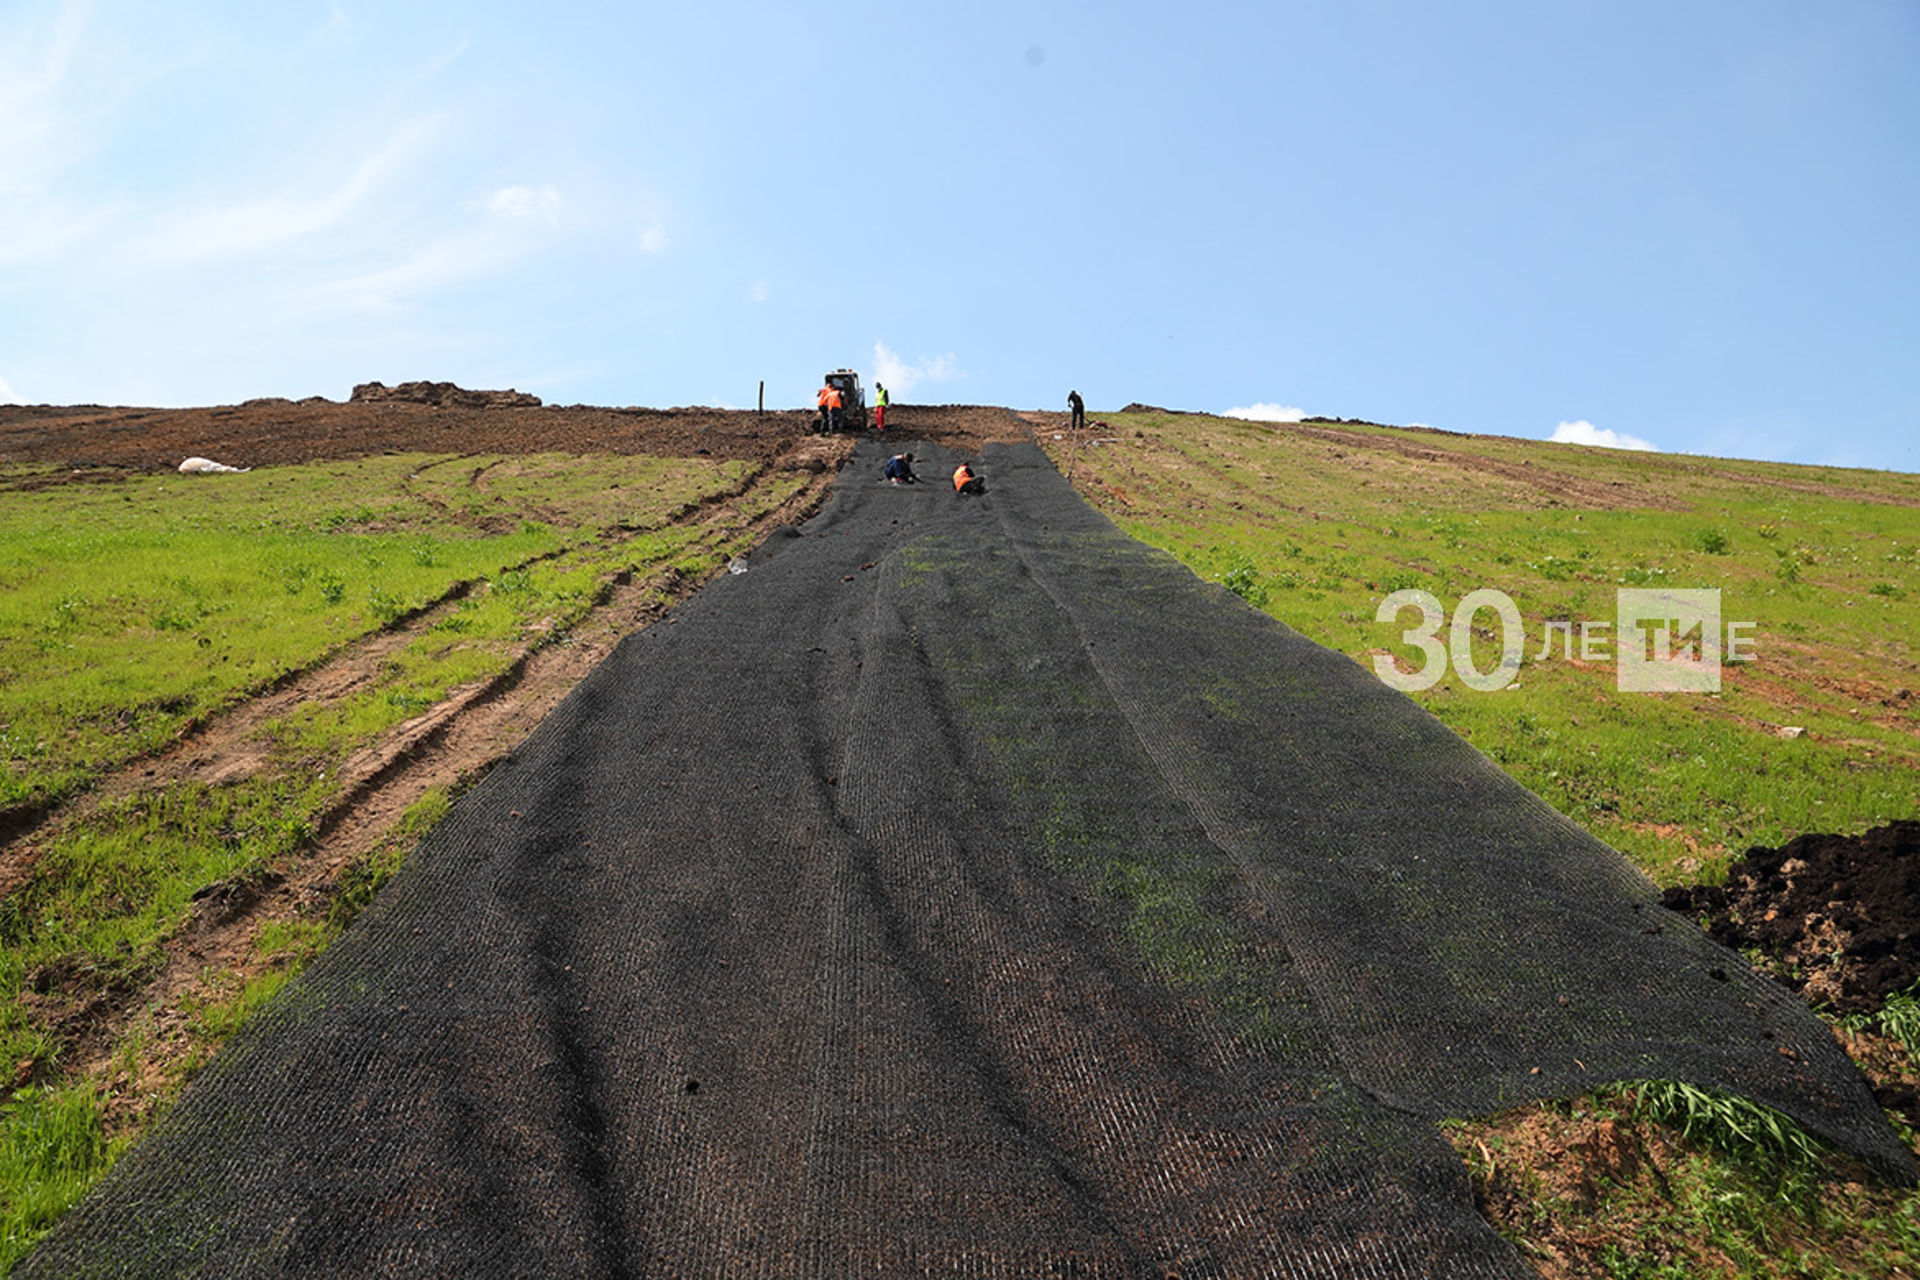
1263	412
6	394
757	292
1584	432
525	203
653	239
902	377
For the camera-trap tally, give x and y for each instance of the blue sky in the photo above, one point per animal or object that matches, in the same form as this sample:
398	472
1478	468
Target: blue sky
1685	224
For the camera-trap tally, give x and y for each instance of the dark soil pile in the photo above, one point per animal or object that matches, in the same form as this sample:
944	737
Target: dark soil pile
443	394
1840	914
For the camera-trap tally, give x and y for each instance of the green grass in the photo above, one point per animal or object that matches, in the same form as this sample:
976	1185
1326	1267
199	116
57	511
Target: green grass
128	610
368	875
1728	1125
53	1147
107	893
1898	1019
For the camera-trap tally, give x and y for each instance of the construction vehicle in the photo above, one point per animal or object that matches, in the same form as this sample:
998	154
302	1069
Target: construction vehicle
853	400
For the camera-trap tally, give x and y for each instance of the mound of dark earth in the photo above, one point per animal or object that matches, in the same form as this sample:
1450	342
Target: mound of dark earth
445	393
1841	914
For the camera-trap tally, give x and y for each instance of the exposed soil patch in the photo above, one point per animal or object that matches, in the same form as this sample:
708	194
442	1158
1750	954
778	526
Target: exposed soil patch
1554	486
1841	492
1592	1192
1839	914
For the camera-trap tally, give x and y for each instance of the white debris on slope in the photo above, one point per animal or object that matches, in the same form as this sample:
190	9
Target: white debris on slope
207	466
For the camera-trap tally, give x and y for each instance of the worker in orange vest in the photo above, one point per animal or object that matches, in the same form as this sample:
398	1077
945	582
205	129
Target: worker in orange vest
829	408
964	481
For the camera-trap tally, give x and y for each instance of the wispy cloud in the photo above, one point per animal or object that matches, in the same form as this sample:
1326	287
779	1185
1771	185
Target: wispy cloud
653	238
47	114
757	292
437	264
33	82
1584	432
518	220
902	377
6	394
250	226
1263	412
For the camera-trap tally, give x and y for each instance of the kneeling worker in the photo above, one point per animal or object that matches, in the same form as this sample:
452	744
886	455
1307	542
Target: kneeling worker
964	481
900	469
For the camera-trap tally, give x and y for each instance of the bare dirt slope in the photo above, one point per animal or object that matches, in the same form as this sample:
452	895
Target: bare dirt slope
277	432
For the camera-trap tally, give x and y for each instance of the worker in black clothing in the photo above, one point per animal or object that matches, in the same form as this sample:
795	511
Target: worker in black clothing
1079	408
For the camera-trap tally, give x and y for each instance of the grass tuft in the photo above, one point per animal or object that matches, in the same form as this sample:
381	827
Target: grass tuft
1729	1125
52	1148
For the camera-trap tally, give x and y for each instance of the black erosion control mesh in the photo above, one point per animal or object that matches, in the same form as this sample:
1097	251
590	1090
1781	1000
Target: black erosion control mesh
963	890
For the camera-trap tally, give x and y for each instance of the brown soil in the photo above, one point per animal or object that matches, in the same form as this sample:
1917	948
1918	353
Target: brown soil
1554	487
1840	915
1585	1188
96	441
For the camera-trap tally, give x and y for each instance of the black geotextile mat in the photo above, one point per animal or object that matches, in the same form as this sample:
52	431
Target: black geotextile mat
966	890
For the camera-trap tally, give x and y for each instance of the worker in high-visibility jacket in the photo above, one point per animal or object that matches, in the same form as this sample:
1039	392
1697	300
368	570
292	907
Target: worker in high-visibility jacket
964	481
829	408
879	406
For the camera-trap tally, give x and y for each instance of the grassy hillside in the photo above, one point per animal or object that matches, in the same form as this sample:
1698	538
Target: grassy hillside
1318	522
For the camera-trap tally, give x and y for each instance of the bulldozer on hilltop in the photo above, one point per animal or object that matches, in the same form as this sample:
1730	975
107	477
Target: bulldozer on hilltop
853	399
